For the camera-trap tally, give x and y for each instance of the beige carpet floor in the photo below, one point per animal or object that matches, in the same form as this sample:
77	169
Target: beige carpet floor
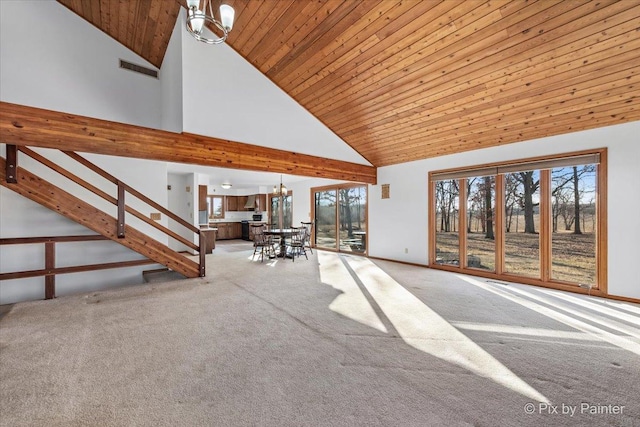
337	340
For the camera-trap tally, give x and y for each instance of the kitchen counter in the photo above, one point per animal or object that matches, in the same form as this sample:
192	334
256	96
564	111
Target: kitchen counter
227	229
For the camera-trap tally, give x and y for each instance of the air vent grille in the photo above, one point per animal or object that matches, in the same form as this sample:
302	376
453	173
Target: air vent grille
138	69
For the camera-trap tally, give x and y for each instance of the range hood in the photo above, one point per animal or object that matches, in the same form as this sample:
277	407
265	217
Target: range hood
251	202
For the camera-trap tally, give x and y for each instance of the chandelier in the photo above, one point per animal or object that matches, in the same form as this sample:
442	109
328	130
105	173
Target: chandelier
281	190
196	20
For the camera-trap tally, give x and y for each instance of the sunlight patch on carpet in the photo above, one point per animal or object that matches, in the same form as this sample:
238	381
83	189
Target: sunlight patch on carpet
617	340
351	303
423	329
626	317
524	331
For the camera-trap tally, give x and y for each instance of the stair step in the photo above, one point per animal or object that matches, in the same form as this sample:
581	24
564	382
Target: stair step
161	275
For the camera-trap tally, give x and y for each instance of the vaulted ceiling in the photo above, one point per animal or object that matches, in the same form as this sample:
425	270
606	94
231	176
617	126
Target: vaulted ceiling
411	79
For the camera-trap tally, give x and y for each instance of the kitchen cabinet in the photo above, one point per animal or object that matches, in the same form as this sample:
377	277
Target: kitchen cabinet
261	202
232	203
202	197
236	203
228	230
242	200
222	231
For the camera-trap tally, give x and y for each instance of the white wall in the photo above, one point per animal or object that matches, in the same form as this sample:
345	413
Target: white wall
226	97
180	203
68	65
401	221
171	80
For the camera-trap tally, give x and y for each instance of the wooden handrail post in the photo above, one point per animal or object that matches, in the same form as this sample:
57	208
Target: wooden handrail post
50	265
12	164
121	210
203	247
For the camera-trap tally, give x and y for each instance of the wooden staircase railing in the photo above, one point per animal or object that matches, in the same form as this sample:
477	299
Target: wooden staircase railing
50	270
115	228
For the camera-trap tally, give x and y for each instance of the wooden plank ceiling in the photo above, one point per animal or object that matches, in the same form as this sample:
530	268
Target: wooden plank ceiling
411	79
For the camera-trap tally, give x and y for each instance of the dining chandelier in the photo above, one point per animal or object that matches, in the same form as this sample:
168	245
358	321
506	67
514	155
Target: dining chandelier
197	20
281	190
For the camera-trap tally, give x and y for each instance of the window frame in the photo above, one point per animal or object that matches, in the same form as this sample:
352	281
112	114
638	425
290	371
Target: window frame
211	213
271	216
550	161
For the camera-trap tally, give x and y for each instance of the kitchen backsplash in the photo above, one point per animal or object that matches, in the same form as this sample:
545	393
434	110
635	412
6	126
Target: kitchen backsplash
239	216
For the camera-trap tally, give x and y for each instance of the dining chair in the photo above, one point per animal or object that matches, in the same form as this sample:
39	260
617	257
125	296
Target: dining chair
297	243
262	243
309	227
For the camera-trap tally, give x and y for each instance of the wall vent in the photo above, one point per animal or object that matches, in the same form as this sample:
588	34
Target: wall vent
138	69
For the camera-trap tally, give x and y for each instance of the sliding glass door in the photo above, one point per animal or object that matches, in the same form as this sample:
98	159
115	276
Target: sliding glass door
522	223
326	219
536	220
341	218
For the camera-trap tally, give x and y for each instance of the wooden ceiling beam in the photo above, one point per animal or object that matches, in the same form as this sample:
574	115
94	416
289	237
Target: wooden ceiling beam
29	126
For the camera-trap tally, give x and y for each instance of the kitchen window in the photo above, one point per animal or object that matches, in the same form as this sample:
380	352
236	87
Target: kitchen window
215	206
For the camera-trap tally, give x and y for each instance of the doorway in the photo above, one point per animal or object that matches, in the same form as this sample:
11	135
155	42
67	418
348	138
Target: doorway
340	214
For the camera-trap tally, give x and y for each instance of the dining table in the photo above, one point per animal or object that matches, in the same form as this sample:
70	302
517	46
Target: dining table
284	233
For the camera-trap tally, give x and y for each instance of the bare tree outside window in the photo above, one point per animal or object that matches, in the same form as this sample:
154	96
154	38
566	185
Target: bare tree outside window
522	242
481	195
447	215
573	216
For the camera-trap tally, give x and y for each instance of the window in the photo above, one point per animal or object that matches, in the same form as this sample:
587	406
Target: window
481	224
573	224
281	218
447	227
522	224
215	206
549	230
